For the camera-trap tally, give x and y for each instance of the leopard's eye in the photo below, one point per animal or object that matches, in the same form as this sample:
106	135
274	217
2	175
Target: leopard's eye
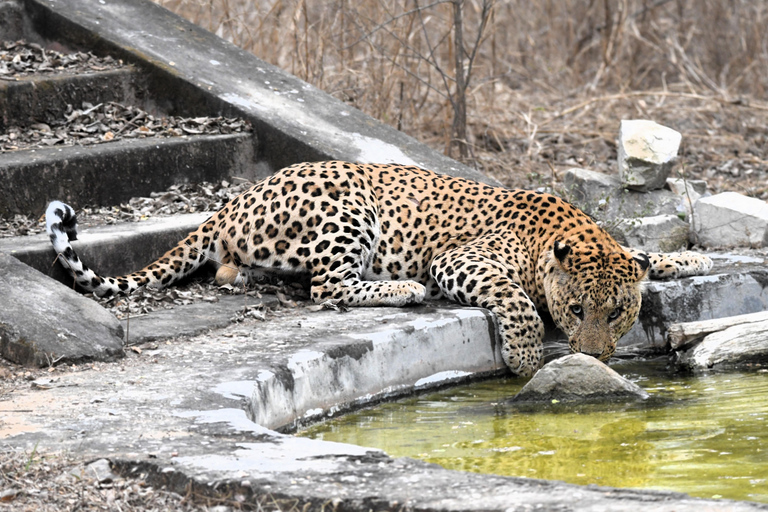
577	310
613	315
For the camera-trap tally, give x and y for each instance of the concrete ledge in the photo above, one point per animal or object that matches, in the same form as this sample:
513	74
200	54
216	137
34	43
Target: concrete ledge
177	413
393	354
107	174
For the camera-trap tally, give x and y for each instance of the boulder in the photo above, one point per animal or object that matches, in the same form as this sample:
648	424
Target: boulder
604	197
665	233
43	322
578	377
731	220
742	343
647	152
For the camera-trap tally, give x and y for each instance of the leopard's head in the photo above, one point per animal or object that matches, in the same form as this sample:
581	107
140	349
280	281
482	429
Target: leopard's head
593	292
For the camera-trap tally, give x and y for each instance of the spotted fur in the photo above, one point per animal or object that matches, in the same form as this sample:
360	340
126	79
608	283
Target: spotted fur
389	235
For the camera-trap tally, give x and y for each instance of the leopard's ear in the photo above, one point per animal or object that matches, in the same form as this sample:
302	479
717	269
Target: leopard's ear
561	251
643	263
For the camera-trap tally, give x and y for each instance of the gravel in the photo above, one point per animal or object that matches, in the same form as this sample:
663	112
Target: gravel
55	482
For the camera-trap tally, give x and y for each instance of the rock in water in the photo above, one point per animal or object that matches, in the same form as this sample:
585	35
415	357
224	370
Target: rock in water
578	377
43	322
647	152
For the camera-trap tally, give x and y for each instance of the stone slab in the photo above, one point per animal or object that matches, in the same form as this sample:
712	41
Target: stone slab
736	285
177	414
660	233
294	121
111	173
603	197
43	322
734	345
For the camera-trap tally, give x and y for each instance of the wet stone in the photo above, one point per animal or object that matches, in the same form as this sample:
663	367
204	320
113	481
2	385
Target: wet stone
578	377
43	322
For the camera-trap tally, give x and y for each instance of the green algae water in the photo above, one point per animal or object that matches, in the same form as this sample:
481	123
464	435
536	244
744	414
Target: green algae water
705	435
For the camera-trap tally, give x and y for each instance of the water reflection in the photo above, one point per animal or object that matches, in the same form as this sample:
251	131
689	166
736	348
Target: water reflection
704	435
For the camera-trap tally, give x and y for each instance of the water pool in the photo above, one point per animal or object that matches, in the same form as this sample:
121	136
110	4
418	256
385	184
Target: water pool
706	435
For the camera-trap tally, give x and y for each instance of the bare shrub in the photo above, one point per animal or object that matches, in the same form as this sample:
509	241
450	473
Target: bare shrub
550	80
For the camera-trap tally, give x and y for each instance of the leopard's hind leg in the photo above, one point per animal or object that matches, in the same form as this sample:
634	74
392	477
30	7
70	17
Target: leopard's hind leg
338	266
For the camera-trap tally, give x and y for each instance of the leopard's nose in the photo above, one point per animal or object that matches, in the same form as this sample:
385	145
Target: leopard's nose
594	353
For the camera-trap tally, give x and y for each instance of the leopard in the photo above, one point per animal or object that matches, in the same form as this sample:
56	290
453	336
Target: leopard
395	235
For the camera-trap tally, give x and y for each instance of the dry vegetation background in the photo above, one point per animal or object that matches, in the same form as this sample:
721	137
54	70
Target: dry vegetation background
548	81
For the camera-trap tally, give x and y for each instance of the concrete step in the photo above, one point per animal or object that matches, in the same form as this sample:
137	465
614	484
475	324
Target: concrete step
110	173
111	250
46	98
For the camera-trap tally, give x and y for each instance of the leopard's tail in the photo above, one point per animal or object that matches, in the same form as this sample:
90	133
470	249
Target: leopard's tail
182	260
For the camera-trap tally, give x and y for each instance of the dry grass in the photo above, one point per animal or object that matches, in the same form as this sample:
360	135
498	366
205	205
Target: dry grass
551	81
36	482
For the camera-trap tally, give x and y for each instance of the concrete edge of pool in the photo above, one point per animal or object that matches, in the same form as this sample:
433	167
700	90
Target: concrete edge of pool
177	413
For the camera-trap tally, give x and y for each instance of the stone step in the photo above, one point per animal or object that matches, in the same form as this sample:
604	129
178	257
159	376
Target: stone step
110	173
46	98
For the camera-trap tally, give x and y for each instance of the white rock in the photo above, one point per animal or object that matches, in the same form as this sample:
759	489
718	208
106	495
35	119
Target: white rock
737	344
647	151
731	220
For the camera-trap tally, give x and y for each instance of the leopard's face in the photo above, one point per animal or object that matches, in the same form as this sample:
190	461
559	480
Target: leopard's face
593	294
